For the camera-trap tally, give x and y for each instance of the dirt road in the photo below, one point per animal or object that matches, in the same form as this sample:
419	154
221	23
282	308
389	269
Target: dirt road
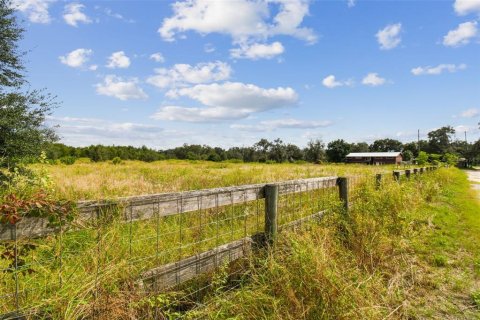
474	177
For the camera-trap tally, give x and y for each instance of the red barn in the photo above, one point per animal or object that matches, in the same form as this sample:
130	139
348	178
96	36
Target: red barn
375	158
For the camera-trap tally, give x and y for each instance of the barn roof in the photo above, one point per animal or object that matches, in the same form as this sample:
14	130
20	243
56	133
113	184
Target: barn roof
374	154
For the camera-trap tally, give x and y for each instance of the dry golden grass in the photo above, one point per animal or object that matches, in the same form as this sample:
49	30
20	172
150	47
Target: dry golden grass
104	180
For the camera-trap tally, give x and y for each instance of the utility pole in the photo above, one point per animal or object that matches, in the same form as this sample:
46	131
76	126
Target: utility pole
466	137
418	143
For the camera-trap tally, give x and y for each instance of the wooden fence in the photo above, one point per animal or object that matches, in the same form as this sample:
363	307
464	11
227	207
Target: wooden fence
159	275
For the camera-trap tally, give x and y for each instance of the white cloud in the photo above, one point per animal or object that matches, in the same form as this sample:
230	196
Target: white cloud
118	60
119	88
175	113
331	82
428	70
373	79
389	37
93	67
288	123
35	10
183	74
470	113
209	48
73	14
109	12
227	101
462	35
76	58
463	7
243	20
257	51
157	57
351	3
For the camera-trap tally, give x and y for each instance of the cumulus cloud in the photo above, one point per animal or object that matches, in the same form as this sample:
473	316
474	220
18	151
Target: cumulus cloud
257	51
120	88
470	113
157	57
227	101
288	123
373	79
428	70
184	74
389	37
73	14
243	20
77	58
463	7
35	10
462	35
85	131
331	82
118	60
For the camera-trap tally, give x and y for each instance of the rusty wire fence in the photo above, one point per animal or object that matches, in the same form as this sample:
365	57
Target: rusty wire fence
164	246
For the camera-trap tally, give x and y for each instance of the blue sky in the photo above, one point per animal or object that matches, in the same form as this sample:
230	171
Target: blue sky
227	73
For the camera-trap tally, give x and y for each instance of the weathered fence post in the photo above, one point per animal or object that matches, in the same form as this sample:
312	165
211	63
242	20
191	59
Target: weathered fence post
422	170
408	173
396	176
415	171
378	180
343	191
271	209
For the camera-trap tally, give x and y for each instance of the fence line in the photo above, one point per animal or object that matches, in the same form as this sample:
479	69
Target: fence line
163	240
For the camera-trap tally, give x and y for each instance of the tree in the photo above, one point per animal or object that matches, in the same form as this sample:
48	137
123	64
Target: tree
439	140
386	145
338	150
422	158
22	113
315	151
359	147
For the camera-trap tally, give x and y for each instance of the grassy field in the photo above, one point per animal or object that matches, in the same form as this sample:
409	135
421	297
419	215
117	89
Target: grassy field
105	180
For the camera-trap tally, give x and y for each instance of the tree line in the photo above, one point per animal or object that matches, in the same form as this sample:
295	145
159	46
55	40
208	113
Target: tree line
440	146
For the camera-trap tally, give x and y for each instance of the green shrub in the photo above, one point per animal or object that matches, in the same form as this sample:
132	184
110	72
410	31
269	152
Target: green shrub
116	160
476	298
68	160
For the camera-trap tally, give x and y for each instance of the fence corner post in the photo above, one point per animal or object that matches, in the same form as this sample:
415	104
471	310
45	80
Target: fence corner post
378	180
408	173
342	183
271	212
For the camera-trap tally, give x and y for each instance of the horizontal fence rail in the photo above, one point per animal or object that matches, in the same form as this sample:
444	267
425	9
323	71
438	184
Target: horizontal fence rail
161	240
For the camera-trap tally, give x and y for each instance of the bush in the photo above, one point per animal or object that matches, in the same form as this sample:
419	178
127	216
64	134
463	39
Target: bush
116	160
68	160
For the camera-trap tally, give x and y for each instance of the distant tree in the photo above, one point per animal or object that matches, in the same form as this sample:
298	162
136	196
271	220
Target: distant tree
386	145
22	113
407	155
337	150
315	151
262	149
359	147
412	147
439	140
422	158
278	151
450	159
294	153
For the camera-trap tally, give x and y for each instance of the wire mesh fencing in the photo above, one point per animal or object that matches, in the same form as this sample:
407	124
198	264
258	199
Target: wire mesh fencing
165	246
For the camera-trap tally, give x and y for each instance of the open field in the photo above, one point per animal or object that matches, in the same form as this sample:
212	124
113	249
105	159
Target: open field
104	180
